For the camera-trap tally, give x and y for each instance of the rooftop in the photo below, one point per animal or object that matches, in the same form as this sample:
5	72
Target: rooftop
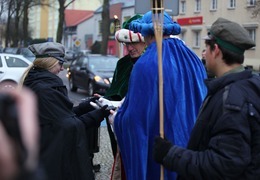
75	17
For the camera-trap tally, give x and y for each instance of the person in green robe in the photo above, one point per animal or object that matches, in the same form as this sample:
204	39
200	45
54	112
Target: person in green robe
135	46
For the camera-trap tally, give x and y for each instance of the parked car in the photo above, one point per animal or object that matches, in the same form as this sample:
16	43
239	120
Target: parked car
10	50
20	50
70	55
12	67
27	53
74	54
91	72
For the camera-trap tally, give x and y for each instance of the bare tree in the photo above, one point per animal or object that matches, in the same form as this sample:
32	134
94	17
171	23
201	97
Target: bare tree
2	8
105	27
26	6
62	8
2	21
17	10
17	16
10	12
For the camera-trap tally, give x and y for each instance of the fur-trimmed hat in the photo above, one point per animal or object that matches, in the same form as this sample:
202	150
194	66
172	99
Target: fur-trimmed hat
144	25
126	36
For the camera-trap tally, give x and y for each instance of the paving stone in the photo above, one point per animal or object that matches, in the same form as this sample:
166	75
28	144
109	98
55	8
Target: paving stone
104	157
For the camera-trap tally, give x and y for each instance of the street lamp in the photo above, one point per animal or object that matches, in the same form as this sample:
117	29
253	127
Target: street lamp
117	23
117	27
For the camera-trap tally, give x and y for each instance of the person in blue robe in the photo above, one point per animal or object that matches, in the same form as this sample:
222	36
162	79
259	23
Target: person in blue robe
136	123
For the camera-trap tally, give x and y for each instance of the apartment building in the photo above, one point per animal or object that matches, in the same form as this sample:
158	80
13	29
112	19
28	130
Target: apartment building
43	20
197	16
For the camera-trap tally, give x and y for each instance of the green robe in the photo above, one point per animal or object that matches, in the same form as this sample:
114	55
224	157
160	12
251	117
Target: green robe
119	85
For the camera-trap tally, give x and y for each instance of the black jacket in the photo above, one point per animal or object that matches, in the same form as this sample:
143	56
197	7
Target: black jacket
225	141
63	146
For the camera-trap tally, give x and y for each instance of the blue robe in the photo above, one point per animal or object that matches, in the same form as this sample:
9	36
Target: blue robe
137	121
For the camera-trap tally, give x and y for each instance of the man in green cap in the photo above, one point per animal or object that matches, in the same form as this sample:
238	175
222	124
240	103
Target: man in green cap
224	143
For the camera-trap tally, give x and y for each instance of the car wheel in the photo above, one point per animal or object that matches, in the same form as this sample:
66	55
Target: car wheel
72	86
90	89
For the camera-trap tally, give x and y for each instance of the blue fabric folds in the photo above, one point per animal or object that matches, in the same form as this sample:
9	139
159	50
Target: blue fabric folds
137	121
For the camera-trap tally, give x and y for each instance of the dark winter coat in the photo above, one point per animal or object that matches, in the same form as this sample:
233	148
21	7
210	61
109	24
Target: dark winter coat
225	141
63	146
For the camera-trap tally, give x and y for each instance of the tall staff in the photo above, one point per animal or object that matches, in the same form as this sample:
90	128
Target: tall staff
158	16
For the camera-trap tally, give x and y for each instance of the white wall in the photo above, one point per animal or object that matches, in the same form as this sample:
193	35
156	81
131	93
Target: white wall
86	27
96	35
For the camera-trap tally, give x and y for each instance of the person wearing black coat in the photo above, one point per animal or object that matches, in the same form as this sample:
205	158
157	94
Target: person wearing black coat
225	141
63	142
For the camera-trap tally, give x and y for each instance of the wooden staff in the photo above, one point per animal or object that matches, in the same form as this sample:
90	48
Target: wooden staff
158	16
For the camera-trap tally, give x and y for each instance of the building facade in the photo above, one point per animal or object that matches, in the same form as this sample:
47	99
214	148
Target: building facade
197	16
43	20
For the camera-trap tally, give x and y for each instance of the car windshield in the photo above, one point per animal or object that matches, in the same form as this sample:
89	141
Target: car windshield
102	63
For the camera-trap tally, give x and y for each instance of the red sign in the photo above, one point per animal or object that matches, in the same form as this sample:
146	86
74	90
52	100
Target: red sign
190	21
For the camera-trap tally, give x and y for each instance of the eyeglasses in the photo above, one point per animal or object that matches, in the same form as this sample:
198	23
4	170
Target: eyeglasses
61	63
130	44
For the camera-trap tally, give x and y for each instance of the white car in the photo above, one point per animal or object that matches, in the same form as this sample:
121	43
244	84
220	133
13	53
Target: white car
12	67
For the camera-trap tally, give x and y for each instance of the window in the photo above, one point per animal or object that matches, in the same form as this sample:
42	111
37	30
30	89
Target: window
213	5
15	62
182	7
251	2
196	41
252	33
232	4
99	27
182	36
197	5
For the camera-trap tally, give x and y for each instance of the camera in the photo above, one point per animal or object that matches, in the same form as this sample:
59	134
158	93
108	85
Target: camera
108	108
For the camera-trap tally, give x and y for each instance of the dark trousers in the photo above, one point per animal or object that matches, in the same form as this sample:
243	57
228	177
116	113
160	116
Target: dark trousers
112	138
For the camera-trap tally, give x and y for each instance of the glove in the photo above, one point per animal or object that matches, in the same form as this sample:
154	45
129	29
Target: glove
160	149
85	106
99	115
104	111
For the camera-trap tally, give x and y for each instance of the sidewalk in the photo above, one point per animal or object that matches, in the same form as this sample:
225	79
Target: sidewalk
104	157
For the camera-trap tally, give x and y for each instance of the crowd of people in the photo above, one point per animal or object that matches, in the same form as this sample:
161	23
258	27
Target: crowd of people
211	124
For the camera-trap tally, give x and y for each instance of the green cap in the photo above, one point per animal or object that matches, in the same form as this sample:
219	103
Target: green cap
127	23
230	35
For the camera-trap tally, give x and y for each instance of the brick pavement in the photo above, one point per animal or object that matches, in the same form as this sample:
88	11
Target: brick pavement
104	157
